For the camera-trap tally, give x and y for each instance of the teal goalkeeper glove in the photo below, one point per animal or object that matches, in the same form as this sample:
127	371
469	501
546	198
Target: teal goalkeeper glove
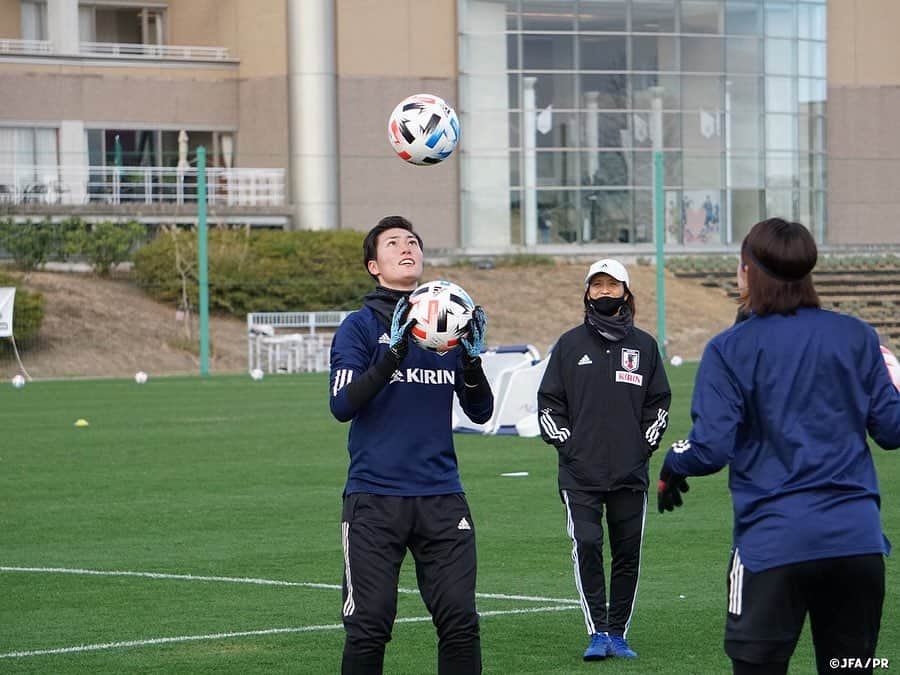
400	328
473	343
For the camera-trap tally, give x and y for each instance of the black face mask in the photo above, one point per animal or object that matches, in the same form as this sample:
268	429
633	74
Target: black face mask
605	305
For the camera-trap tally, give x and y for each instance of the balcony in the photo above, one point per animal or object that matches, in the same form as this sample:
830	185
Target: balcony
12	47
119	50
105	185
152	51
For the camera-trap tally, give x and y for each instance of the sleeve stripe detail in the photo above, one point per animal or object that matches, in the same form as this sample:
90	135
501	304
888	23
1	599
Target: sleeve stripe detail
548	424
655	431
679	447
341	379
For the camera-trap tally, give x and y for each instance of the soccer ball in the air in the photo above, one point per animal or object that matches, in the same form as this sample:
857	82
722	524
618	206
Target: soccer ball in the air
892	364
442	311
256	374
423	129
140	377
18	381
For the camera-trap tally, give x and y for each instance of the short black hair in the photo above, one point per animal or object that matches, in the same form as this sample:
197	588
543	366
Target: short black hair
370	243
779	257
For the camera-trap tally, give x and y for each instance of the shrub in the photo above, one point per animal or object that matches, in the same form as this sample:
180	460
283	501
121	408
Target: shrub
28	313
257	271
105	244
31	244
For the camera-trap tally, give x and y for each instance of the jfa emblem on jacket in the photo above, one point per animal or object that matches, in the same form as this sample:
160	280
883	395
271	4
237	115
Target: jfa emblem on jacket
631	359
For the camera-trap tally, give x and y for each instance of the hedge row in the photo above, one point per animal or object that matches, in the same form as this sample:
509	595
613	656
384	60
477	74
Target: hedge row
253	271
28	313
103	245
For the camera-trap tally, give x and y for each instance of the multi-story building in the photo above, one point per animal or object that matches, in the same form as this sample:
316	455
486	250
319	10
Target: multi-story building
584	122
102	105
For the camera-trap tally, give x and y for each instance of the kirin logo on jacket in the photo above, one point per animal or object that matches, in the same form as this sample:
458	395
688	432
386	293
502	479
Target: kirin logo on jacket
423	376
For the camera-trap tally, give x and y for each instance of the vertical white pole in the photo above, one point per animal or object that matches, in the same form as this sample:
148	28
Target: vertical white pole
312	104
529	131
591	131
63	26
729	205
656	137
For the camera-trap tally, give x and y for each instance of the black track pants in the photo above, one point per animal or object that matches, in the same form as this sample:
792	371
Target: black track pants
625	514
377	530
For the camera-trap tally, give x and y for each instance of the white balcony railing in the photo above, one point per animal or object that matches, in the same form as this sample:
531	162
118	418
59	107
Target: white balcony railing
138	185
25	47
131	50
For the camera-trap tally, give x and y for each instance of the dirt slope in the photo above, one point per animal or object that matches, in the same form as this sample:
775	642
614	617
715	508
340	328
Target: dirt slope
102	328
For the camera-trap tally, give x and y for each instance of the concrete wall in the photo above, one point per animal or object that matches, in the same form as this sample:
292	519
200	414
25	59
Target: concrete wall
863	108
164	96
385	55
254	31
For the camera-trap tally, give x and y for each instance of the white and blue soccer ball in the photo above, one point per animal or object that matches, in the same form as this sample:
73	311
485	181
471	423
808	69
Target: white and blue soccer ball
140	377
256	374
18	381
442	311
423	129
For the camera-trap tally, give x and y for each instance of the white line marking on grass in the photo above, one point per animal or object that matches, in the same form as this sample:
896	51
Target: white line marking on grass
163	575
247	633
252	580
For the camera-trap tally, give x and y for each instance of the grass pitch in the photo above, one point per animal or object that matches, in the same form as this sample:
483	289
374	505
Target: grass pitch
194	526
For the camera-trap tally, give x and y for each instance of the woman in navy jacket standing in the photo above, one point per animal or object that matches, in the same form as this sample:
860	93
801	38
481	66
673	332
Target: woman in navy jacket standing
786	399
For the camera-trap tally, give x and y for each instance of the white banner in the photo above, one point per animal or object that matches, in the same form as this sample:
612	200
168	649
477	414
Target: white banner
7	298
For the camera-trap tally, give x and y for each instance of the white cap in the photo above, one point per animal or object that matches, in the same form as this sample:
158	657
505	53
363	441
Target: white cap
613	268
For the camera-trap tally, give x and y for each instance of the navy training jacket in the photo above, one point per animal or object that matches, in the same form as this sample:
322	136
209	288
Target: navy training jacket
787	401
401	442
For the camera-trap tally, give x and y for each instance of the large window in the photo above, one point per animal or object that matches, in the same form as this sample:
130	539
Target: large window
28	159
34	20
729	93
156	147
122	24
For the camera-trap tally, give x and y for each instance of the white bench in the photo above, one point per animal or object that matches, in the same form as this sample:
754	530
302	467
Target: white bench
271	348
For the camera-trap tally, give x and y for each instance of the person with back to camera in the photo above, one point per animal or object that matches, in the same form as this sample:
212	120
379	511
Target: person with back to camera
603	403
785	400
403	489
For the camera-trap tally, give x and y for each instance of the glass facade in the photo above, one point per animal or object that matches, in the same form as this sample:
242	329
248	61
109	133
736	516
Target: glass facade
565	104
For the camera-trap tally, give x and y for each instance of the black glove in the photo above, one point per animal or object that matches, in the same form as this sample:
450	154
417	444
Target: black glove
668	494
400	328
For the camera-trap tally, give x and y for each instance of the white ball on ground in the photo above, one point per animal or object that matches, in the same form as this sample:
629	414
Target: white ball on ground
140	377
18	381
256	374
676	361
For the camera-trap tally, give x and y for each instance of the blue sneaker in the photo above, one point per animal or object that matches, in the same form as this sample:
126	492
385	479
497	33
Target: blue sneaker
599	647
618	646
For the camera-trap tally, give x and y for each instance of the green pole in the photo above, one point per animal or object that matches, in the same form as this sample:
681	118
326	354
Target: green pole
202	261
660	234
